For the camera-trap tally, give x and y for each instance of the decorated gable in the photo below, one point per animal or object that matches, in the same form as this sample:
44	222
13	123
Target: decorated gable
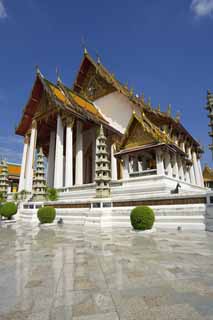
137	136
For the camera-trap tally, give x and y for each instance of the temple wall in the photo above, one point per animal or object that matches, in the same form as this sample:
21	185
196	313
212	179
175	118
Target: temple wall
117	109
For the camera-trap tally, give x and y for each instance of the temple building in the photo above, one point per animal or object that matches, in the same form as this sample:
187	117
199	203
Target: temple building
208	176
149	150
14	171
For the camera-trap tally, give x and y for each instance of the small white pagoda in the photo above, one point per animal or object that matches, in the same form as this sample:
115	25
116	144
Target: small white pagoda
103	171
39	181
4	179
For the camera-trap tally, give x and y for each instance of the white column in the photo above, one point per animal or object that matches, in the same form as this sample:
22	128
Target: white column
191	170
196	168
51	160
168	164
31	155
79	154
187	174
58	173
23	165
175	172
180	169
113	163
126	167
201	173
159	162
69	154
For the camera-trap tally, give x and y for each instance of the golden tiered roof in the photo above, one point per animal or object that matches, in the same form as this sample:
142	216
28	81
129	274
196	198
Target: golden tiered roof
142	134
93	75
207	174
13	169
61	98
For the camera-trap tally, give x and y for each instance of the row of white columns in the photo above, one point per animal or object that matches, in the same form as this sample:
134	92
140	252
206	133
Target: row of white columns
179	170
63	170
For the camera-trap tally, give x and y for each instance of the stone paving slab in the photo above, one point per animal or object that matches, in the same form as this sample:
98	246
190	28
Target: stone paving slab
74	273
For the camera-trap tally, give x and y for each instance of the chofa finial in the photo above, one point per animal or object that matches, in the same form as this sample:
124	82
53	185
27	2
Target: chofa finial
38	72
58	75
169	110
177	118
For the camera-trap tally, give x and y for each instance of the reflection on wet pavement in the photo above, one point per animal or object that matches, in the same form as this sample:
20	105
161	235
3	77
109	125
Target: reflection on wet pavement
69	272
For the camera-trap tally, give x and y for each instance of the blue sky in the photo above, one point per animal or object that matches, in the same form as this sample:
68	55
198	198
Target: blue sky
161	47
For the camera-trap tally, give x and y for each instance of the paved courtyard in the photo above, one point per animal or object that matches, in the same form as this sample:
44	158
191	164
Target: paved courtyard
68	272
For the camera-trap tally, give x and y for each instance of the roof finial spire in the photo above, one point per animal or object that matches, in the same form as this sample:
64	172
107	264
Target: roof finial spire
142	97
83	44
169	110
58	75
158	108
177	118
98	57
38	72
149	102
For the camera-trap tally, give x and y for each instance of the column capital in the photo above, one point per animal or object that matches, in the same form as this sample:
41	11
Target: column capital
26	139
69	122
34	124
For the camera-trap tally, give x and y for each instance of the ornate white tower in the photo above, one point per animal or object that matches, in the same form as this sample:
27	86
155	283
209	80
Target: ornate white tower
39	182
103	172
4	179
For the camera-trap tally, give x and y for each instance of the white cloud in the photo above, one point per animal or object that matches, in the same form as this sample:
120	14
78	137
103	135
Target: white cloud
202	8
3	13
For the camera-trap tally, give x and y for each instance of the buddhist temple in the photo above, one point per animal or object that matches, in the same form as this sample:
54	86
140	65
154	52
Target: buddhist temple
142	140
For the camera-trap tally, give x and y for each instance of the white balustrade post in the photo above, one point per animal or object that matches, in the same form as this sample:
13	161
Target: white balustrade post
58	174
159	162
69	153
168	164
196	168
191	170
51	160
23	165
113	163
126	167
201	173
175	172
30	158
79	154
180	169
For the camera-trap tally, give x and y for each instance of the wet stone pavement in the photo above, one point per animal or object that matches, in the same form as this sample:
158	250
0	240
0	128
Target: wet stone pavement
69	272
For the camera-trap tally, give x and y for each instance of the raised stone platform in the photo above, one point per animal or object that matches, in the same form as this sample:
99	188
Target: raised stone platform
172	211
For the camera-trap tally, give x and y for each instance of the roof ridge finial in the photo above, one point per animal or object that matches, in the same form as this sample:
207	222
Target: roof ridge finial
149	102
98	57
169	109
85	51
38	71
142	97
158	107
177	117
58	75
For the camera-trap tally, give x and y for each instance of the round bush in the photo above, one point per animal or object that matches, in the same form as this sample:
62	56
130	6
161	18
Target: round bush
46	214
8	209
142	218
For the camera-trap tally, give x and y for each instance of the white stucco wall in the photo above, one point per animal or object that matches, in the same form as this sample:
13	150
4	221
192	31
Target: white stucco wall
117	109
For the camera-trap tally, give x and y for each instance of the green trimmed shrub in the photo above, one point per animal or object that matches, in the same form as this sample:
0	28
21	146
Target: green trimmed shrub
142	218
46	214
52	194
8	209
